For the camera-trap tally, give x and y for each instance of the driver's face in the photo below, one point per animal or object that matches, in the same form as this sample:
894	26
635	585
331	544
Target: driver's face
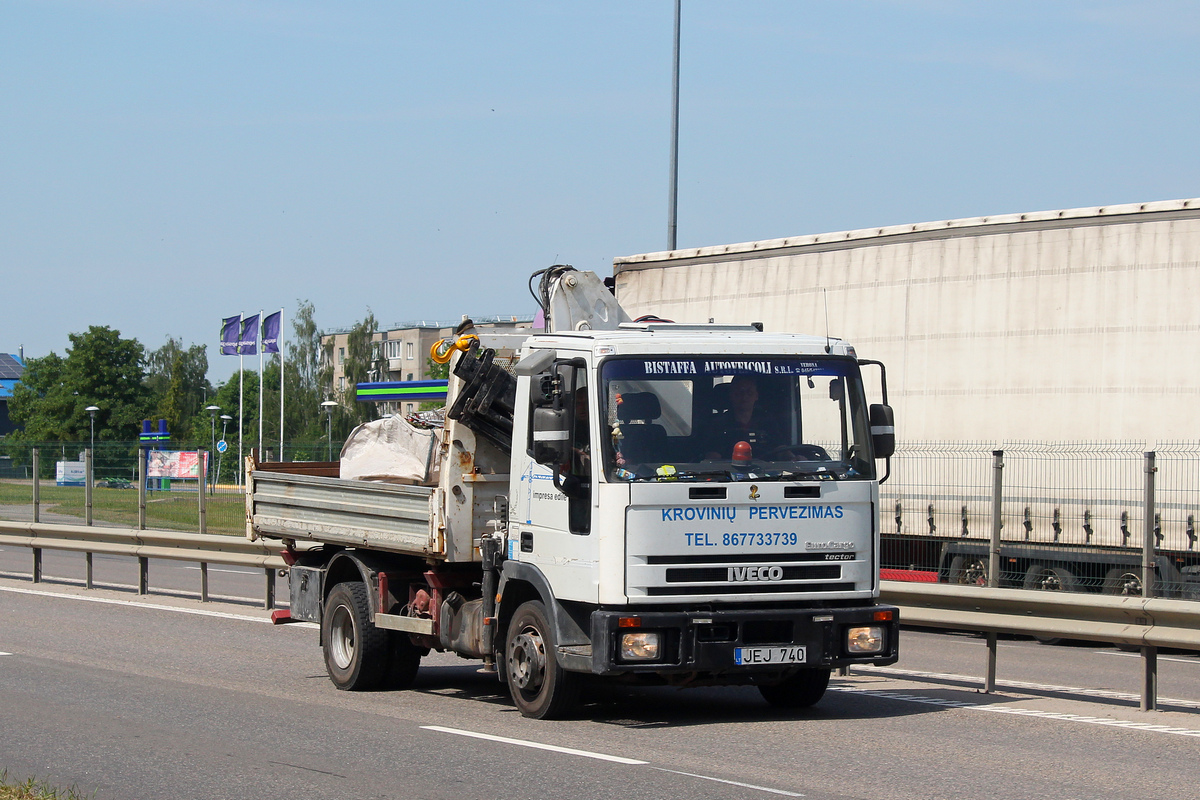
743	394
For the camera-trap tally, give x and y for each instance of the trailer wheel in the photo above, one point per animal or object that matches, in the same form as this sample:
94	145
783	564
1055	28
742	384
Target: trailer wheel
969	570
540	688
801	690
1049	579
1123	581
356	652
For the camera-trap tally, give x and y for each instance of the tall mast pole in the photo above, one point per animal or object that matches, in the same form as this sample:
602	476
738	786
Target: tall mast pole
674	200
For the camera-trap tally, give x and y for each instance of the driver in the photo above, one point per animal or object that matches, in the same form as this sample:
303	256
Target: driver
745	421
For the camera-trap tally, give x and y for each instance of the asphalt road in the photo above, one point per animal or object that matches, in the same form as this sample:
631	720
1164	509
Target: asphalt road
164	697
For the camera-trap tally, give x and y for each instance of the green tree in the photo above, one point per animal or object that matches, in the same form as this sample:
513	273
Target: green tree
100	369
226	397
436	372
362	353
306	375
178	379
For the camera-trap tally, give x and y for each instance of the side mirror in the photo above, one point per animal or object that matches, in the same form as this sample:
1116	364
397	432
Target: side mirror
883	431
551	436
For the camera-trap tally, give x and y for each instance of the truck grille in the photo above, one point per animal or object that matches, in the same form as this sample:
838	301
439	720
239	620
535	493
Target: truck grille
746	588
816	572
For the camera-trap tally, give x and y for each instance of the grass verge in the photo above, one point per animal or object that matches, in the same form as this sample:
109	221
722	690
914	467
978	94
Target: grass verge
34	790
171	510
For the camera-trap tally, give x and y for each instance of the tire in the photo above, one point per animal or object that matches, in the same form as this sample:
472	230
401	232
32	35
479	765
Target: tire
405	660
357	654
801	690
540	688
969	571
1049	579
1126	581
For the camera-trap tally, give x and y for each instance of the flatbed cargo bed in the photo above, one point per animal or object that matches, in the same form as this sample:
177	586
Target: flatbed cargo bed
382	516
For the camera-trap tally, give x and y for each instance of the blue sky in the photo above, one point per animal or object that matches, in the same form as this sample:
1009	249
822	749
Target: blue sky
164	164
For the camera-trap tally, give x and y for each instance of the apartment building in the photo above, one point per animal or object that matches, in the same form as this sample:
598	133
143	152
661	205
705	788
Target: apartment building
401	353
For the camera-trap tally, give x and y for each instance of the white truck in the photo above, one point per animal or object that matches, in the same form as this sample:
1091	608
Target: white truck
605	511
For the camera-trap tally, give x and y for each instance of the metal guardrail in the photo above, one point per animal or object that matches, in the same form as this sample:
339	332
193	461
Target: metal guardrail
143	545
1145	622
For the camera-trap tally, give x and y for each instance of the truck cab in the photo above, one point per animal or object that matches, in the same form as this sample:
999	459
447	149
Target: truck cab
701	503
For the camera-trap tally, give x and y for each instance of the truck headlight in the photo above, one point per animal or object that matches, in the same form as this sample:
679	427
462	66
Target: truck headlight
639	646
866	639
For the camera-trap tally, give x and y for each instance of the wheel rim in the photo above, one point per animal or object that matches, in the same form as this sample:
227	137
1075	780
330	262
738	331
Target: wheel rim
1049	582
1129	585
527	662
341	637
974	573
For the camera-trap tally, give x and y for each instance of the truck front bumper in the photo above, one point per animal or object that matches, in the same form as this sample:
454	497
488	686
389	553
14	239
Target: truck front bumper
730	645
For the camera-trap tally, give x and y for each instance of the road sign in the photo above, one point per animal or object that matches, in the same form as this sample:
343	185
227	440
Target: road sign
222	446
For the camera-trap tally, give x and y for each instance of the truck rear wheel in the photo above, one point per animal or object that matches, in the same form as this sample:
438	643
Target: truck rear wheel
540	688
801	690
356	652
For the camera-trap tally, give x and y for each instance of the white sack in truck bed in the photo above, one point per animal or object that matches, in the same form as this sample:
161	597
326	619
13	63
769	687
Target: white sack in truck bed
391	450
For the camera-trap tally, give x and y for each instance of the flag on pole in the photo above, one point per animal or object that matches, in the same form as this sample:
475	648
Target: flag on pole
270	332
248	343
230	329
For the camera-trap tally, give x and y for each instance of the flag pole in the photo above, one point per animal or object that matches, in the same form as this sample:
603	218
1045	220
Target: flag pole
260	384
279	339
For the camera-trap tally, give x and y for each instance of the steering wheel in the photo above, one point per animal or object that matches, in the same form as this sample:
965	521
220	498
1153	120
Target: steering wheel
798	452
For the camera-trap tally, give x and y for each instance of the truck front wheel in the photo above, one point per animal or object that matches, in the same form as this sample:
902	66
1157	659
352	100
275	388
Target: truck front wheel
801	690
356	652
540	688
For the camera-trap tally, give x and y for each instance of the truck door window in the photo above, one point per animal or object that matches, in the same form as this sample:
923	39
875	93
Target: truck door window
579	509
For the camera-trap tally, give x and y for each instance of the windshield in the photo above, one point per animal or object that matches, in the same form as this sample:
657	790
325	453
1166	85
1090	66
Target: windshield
702	418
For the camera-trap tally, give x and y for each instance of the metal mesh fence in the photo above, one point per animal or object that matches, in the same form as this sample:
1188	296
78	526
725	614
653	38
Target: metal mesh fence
1072	515
171	504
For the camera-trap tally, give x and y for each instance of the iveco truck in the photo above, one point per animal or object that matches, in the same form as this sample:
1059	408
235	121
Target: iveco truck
617	500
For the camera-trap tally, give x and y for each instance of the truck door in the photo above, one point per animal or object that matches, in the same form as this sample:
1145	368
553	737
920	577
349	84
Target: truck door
557	475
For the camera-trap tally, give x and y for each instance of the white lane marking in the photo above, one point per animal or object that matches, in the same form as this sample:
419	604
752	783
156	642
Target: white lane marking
534	745
1045	687
731	783
599	756
1021	712
134	604
230	571
5	654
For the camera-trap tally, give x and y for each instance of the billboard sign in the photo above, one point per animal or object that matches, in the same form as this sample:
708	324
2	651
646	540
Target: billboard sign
175	464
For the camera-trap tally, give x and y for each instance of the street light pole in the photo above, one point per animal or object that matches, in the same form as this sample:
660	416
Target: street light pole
91	461
212	411
328	406
92	424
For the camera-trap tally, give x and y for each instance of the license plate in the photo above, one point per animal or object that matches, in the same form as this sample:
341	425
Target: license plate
748	656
